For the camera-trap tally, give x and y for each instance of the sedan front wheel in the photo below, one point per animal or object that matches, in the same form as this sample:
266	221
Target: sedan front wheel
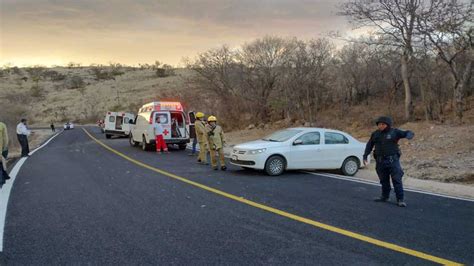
275	165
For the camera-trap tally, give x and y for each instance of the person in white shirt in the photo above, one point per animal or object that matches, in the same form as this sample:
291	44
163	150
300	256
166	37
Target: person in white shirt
22	133
159	139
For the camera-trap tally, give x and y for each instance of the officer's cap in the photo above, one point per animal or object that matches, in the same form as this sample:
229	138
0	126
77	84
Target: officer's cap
384	119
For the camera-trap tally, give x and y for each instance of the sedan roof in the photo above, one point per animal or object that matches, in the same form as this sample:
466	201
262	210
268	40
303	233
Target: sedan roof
317	128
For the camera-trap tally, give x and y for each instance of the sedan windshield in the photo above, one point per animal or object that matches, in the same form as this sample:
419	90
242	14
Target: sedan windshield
282	135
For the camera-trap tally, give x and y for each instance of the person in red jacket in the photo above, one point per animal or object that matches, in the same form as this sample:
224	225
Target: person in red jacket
159	140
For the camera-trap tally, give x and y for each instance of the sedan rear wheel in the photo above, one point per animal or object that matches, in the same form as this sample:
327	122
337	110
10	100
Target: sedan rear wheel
275	165
350	166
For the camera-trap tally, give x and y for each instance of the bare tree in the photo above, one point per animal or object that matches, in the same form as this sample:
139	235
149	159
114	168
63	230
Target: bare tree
448	29
275	78
264	60
219	76
394	22
305	79
214	66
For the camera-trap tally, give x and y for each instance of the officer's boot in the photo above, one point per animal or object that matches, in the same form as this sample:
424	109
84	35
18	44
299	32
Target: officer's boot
223	168
381	199
401	203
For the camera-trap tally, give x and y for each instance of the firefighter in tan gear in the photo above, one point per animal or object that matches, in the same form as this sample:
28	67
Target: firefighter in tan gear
201	135
215	136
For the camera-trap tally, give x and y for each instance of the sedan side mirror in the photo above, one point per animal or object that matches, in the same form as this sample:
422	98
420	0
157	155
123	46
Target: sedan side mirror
297	142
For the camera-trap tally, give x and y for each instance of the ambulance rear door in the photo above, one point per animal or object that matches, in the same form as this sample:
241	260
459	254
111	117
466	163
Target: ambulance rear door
165	121
109	121
127	119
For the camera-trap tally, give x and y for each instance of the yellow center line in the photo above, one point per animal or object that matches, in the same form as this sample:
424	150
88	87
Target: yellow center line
301	219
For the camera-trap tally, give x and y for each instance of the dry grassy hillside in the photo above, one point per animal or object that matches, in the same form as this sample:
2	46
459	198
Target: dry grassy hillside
77	94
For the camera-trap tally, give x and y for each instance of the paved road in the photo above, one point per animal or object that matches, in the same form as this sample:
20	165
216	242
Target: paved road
76	202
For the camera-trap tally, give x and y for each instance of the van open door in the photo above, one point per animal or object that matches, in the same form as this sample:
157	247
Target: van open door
192	129
126	125
165	121
178	124
192	118
118	122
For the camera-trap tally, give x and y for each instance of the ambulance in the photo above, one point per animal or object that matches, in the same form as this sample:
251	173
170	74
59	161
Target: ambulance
173	117
117	124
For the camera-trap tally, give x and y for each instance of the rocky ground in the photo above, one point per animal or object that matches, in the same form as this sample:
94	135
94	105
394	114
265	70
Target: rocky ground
440	152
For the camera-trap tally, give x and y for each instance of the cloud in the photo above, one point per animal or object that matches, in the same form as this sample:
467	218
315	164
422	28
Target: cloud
155	25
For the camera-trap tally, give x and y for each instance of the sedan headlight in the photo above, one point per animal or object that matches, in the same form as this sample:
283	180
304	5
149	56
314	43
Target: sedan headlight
253	152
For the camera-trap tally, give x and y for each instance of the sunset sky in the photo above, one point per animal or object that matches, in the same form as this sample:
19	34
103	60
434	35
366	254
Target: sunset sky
56	32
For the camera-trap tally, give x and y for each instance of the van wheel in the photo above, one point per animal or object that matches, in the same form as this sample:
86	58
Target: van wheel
132	142
145	146
350	166
275	165
108	136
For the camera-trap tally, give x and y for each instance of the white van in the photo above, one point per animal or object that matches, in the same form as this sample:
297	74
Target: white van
174	119
117	124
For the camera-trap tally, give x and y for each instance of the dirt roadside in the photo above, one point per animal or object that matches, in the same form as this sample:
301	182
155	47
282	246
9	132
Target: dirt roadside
38	137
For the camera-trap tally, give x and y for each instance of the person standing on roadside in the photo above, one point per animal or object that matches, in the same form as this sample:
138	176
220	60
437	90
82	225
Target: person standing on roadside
22	133
159	139
4	154
387	156
192	134
201	136
216	142
194	147
52	127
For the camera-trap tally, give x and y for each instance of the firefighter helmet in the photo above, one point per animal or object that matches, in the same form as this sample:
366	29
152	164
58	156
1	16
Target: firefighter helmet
199	115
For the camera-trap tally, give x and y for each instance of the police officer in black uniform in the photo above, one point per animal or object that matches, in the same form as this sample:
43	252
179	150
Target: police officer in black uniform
387	156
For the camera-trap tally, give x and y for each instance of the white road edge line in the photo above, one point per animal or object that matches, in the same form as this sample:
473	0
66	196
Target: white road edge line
7	187
374	183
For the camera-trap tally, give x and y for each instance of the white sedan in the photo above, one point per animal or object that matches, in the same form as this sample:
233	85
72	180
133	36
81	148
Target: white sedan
68	126
301	148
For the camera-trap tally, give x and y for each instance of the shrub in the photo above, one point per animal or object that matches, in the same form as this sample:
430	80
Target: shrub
16	70
53	75
100	73
35	72
117	69
37	91
163	70
75	82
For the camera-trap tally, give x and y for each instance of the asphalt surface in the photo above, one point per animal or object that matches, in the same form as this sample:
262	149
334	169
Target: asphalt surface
74	202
